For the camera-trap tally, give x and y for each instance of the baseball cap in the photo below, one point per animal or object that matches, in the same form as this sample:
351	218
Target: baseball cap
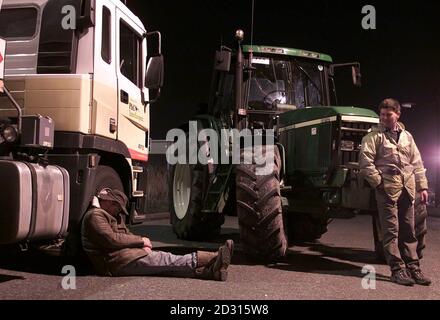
116	196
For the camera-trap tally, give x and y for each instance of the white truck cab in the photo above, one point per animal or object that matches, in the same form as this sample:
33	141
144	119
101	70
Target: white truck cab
87	70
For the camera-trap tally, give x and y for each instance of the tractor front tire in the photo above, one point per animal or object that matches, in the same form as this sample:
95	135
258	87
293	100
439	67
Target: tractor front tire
186	192
305	227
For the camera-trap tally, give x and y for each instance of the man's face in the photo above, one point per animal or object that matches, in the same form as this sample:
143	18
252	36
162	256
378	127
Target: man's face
111	207
389	118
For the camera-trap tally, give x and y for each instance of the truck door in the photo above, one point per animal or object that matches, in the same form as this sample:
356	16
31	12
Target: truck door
105	82
133	117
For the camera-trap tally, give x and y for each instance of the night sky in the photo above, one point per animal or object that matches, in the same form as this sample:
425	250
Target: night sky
400	59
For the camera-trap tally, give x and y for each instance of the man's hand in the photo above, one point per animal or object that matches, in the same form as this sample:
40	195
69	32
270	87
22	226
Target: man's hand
424	196
147	250
147	243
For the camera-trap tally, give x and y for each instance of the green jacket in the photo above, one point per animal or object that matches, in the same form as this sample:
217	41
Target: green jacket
396	165
108	243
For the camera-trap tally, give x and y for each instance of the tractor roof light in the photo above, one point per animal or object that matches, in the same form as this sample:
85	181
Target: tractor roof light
239	35
9	133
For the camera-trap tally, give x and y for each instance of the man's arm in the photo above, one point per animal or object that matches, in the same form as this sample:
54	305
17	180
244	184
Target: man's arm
100	232
419	169
366	161
147	242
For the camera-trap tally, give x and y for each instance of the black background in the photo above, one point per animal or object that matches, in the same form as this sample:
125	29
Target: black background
400	59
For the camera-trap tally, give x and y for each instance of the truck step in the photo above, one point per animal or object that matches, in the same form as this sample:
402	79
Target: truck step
138	194
138	169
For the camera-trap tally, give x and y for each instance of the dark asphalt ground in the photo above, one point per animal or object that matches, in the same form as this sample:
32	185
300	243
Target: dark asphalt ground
329	269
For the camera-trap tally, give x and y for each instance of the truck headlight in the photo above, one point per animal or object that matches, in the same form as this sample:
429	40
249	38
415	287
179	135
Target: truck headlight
10	134
347	145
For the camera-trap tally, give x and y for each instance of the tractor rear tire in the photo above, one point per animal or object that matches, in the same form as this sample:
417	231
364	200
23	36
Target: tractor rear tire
231	204
259	209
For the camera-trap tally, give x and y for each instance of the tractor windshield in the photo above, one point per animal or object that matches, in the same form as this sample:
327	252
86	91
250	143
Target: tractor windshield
292	83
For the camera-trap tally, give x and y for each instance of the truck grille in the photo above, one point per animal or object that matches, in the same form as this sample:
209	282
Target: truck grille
354	132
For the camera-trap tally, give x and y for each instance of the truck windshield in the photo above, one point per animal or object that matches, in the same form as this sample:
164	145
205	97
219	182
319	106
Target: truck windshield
56	52
18	23
277	82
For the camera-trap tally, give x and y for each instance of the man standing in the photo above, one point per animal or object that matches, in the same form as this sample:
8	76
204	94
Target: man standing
114	251
392	165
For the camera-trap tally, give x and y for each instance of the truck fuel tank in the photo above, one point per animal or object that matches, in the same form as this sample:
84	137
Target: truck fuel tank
34	201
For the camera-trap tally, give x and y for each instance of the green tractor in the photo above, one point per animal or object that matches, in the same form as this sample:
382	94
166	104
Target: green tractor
287	97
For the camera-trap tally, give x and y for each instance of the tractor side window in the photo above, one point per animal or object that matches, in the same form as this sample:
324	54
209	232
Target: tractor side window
314	94
106	43
130	46
268	83
227	93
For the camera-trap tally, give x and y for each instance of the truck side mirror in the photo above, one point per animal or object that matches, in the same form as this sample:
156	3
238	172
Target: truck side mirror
222	61
154	73
86	17
357	76
153	79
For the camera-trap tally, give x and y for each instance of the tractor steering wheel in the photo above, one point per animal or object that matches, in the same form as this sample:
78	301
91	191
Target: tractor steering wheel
267	98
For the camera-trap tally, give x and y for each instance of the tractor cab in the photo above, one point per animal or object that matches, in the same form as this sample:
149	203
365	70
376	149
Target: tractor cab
274	80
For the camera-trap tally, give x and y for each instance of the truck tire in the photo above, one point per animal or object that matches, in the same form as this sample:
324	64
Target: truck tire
259	209
107	177
305	227
186	192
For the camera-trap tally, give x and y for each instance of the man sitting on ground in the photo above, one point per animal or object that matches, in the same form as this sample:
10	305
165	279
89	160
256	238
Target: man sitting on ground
114	251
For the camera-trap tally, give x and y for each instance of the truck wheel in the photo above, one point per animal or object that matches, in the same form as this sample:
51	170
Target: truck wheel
259	208
107	177
305	227
187	185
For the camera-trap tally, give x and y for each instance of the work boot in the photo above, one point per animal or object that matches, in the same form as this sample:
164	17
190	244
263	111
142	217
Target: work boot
205	257
216	268
419	278
402	277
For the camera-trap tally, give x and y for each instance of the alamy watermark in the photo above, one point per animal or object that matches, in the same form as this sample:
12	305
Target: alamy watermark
230	146
369	20
69	19
69	280
369	280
